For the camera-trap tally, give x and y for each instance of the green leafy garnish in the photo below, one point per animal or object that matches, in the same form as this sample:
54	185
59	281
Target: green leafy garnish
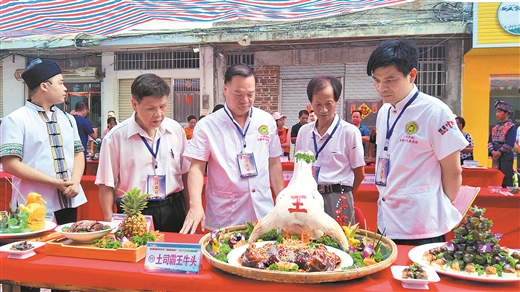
109	243
309	158
327	240
271	235
221	257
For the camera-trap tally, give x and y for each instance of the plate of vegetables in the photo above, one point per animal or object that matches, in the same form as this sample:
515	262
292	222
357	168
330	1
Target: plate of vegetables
473	254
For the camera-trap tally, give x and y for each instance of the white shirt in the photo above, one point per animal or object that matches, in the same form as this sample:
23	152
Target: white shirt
413	204
125	161
518	135
231	199
23	133
340	156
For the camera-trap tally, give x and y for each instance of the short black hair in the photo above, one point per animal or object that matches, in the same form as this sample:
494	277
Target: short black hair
217	107
357	111
303	112
149	85
111	119
80	106
238	69
461	121
320	82
191	117
402	53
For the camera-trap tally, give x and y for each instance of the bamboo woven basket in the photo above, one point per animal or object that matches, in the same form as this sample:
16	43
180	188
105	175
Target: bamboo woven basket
311	277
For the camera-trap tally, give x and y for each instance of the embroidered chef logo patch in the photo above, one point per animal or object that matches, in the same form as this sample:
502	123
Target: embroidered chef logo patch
264	130
411	128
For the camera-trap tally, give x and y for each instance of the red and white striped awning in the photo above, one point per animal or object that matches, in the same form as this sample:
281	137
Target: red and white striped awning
36	18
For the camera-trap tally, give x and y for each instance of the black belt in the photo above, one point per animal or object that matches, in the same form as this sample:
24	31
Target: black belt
158	203
336	188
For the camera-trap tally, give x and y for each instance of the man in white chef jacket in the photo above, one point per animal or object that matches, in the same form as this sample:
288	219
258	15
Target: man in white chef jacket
241	147
418	172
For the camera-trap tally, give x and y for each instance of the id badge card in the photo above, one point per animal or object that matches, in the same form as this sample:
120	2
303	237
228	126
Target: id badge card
156	187
247	165
316	172
383	167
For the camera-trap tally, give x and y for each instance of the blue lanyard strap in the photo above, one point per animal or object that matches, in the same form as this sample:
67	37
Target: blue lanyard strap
151	150
326	141
390	131
239	129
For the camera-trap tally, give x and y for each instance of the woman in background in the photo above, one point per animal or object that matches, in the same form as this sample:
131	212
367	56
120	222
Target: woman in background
466	153
111	122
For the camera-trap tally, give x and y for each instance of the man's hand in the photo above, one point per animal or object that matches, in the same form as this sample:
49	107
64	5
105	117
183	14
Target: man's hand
63	184
72	190
495	155
195	216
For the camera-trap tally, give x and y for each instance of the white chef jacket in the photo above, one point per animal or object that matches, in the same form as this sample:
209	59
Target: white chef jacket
231	199
413	204
339	157
125	162
23	133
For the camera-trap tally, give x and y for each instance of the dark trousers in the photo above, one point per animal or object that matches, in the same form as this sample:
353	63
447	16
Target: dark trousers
168	214
506	167
66	215
419	241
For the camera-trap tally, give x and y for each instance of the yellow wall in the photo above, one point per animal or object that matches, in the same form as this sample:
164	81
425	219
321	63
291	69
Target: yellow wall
489	31
479	65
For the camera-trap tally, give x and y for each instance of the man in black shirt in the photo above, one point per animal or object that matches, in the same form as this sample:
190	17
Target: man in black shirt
303	115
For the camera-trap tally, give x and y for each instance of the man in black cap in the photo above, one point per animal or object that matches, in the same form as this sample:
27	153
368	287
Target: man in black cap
501	142
40	145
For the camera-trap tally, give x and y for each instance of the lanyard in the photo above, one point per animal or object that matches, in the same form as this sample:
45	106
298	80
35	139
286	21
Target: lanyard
151	150
390	131
239	129
326	141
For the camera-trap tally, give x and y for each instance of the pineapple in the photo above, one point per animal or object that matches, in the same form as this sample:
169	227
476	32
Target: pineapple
134	223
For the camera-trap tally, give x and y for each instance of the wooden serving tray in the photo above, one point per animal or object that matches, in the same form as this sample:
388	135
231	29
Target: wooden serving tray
69	248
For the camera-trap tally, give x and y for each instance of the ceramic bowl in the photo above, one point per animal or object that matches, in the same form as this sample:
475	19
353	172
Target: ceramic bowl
418	284
85	237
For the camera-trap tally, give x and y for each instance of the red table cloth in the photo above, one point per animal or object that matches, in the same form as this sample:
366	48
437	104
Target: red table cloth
78	274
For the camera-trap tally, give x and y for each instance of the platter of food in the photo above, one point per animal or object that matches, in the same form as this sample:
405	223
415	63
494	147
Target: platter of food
415	276
21	249
49	225
341	273
416	254
473	254
236	255
305	235
86	230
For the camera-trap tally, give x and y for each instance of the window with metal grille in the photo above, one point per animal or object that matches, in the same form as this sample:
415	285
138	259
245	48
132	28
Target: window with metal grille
248	59
154	60
431	75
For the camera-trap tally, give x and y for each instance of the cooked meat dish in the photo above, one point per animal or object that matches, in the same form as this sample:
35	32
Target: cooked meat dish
86	226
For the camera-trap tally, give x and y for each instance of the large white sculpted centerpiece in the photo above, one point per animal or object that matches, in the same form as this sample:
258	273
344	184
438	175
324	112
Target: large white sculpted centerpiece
299	208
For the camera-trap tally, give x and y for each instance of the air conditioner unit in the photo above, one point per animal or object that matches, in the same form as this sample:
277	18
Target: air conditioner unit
73	74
